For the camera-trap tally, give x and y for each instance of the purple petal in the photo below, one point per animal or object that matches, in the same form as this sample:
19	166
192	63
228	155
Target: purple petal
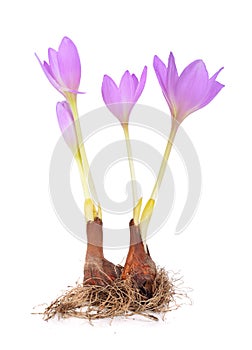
69	64
50	77
214	87
47	70
54	65
110	91
161	73
172	73
191	88
141	84
216	74
135	81
66	124
172	79
126	88
131	90
65	116
111	97
168	78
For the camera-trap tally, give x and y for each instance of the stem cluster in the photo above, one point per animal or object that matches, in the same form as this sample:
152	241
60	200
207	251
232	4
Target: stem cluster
139	267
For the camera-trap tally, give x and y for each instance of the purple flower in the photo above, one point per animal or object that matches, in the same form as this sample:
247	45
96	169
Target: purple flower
66	124
64	68
190	91
120	100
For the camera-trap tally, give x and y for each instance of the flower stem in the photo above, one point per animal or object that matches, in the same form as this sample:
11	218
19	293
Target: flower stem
85	172
82	176
149	207
136	201
164	161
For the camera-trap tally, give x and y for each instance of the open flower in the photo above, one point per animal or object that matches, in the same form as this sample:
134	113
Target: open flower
120	100
64	68
190	91
66	124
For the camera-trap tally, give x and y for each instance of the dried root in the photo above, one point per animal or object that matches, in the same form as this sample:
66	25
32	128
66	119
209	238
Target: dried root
121	298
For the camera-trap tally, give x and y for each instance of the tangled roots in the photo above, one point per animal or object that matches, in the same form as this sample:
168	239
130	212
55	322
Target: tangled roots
120	298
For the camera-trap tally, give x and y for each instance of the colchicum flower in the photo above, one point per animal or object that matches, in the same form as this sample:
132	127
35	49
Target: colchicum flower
190	91
185	94
66	124
120	100
64	68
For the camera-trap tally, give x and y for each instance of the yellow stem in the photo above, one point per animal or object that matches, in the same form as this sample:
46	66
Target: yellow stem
82	176
89	208
131	164
145	220
83	156
164	161
149	207
136	202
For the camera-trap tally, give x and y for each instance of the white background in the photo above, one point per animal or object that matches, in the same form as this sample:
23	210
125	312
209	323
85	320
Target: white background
39	258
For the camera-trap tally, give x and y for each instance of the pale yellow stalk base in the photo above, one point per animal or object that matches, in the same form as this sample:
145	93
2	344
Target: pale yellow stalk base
145	220
89	210
149	207
137	203
83	165
164	161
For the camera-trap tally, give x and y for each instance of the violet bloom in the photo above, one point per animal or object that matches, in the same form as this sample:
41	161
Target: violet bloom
121	99
190	91
66	124
64	68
